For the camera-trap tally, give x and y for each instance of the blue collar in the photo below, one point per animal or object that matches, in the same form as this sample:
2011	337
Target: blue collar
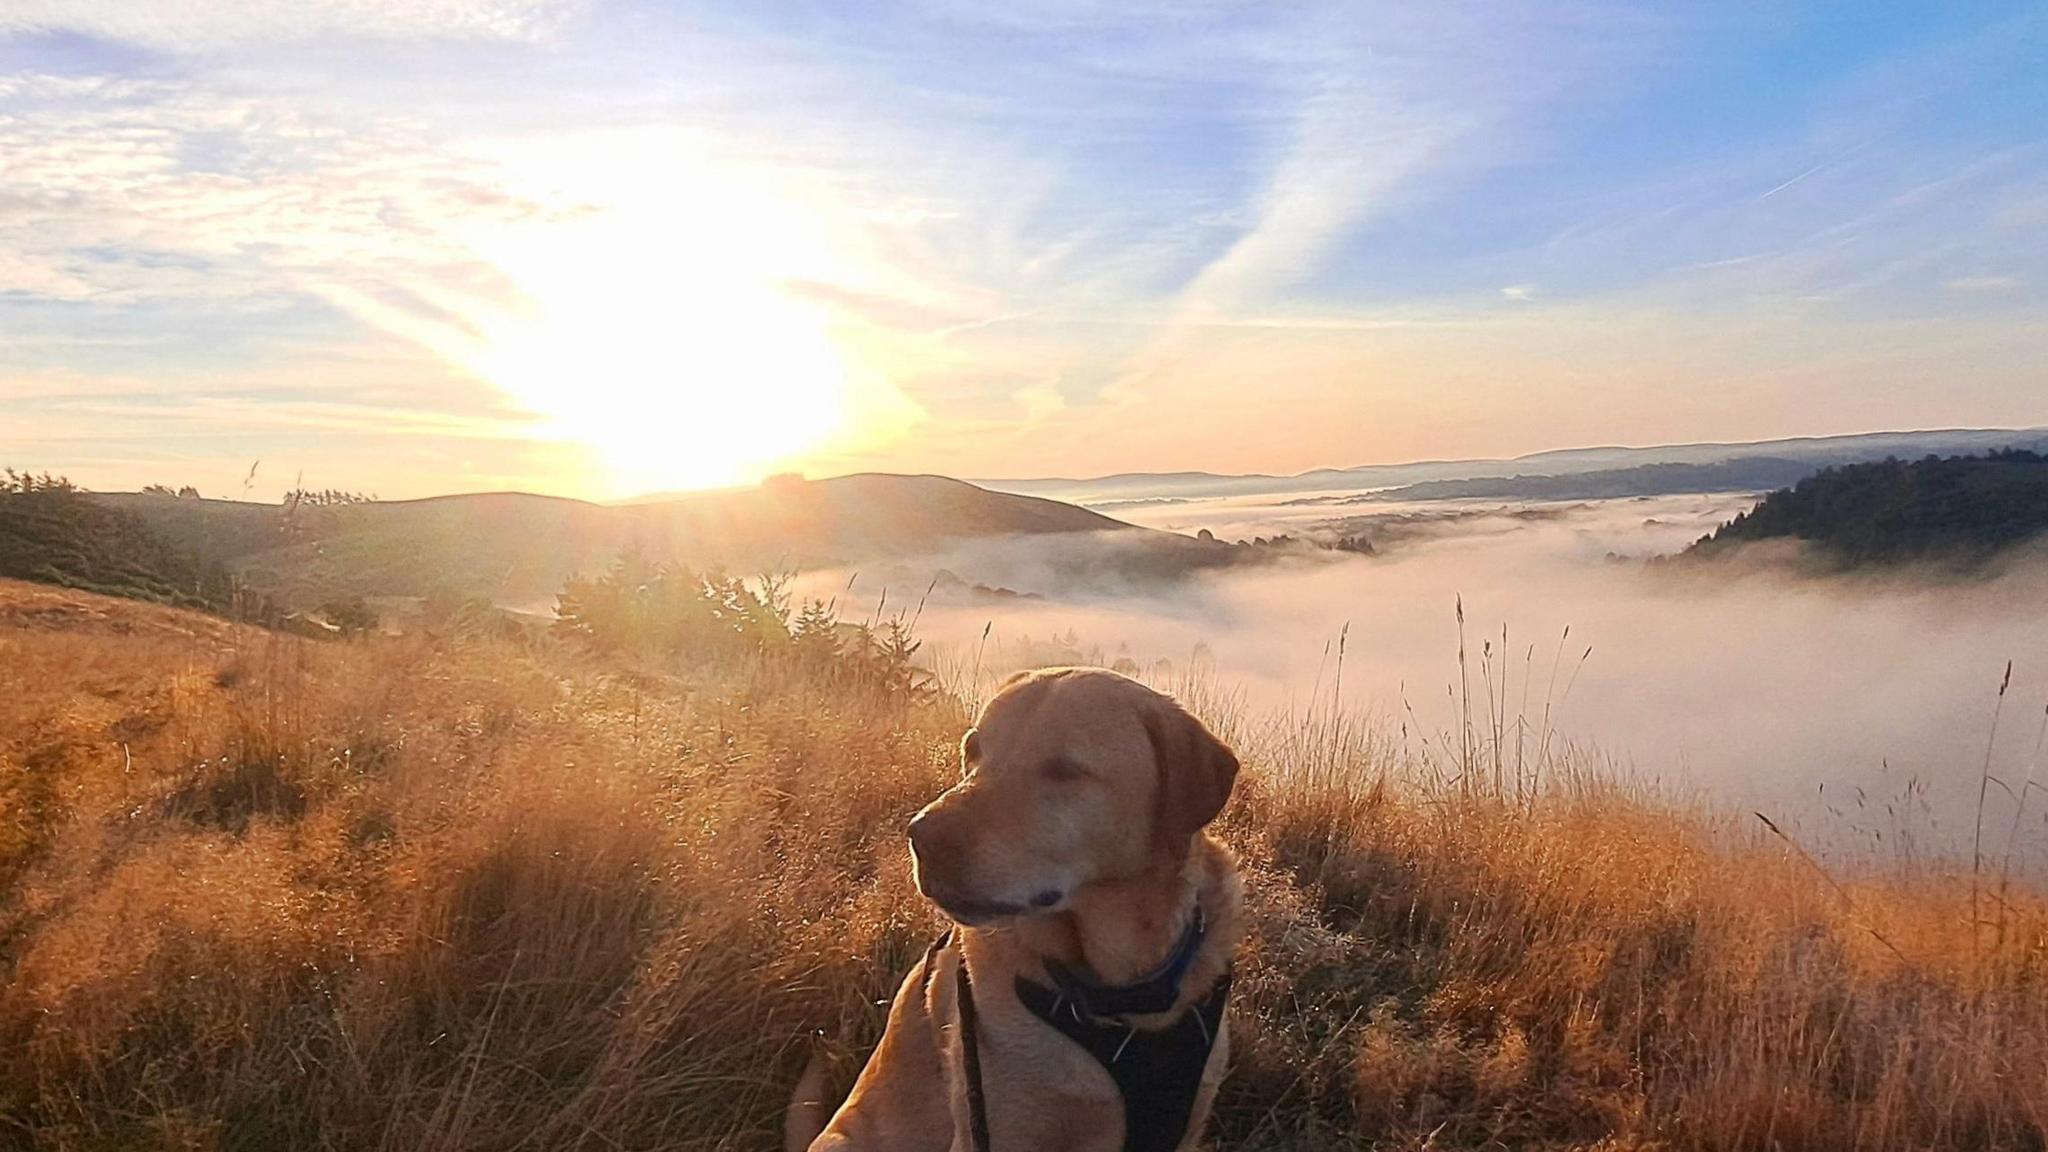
1157	991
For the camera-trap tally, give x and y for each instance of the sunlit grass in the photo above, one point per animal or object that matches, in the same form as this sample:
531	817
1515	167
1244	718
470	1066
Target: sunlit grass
466	891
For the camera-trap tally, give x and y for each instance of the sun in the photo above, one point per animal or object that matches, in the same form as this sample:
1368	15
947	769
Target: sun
673	383
651	324
669	310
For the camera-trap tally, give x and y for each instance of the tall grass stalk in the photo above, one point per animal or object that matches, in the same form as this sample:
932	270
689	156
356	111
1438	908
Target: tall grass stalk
1983	794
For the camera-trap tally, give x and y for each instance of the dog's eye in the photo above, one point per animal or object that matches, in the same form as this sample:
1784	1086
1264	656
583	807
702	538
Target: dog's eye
1061	768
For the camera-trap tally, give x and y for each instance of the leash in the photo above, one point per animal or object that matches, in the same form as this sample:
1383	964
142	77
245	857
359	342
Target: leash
970	1055
1157	1073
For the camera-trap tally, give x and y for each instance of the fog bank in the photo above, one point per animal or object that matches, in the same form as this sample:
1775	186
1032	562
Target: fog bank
1753	685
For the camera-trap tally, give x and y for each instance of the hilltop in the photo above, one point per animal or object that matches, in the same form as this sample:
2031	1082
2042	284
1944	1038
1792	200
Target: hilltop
1961	510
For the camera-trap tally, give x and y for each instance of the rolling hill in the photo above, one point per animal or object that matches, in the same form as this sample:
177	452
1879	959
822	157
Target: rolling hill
518	548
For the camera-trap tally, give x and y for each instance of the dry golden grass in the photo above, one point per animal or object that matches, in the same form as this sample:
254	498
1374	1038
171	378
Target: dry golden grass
481	893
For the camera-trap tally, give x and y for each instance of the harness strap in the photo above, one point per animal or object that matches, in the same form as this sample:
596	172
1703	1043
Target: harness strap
1157	1073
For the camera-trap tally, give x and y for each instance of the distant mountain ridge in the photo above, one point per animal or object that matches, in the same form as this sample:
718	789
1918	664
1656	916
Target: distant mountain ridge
1814	452
1754	474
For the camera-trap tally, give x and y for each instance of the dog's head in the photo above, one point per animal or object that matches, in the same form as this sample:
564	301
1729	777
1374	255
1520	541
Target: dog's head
1071	776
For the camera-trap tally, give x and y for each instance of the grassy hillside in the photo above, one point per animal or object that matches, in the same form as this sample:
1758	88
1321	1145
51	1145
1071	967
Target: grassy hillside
477	892
1962	509
518	548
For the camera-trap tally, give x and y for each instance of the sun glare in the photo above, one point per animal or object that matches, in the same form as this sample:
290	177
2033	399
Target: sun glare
651	326
673	388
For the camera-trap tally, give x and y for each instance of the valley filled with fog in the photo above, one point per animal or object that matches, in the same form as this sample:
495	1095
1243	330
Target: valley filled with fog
1855	709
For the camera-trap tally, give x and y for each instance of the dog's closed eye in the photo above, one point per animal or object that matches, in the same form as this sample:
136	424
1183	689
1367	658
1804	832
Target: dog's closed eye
1062	768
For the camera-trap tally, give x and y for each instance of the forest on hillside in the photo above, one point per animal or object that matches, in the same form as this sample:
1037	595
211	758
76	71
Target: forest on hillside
1959	509
54	533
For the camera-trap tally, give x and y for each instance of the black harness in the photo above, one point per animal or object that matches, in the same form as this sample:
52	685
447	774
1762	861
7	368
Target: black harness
1158	1073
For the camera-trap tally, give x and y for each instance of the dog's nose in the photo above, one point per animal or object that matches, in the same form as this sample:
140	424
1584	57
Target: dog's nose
921	834
928	840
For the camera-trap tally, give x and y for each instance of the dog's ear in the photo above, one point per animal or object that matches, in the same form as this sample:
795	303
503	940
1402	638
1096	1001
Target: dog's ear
1196	771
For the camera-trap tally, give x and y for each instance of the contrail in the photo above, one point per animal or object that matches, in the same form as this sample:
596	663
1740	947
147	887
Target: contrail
1792	181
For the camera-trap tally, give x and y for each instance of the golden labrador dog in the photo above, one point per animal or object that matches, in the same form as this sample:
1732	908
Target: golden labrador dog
1078	1006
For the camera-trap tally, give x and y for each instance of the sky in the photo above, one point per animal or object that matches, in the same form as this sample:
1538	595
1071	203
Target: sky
601	248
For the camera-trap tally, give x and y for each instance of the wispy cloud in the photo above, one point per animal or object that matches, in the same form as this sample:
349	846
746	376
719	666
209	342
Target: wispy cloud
1984	284
196	25
167	243
125	192
1351	149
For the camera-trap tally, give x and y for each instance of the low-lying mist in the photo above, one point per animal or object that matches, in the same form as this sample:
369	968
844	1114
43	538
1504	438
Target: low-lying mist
1857	710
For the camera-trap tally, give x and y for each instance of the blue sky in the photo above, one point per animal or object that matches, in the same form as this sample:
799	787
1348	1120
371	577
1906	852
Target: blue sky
595	247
